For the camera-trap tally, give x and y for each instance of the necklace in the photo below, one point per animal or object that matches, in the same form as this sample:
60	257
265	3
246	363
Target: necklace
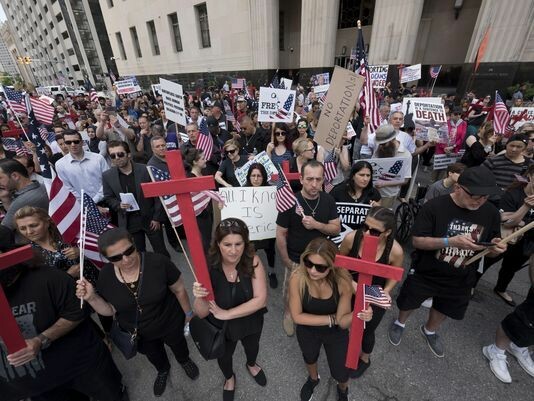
132	286
313	209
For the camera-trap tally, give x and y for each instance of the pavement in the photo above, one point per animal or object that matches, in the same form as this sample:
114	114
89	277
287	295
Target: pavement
406	372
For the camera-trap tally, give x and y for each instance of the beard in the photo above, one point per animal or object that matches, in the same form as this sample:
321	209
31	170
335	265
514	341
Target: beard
387	149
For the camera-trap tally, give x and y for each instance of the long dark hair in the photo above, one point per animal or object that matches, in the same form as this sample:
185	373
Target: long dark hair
387	218
351	189
257	166
226	227
283	127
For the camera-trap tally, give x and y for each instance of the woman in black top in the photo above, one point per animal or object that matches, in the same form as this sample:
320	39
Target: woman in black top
380	222
240	293
147	286
226	174
358	188
320	304
477	149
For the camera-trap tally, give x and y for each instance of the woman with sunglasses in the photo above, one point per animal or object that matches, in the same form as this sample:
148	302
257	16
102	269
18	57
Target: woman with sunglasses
358	188
304	131
226	174
304	151
320	305
380	222
279	147
240	292
145	293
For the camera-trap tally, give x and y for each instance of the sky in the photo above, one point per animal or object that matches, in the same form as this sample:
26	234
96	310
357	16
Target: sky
2	14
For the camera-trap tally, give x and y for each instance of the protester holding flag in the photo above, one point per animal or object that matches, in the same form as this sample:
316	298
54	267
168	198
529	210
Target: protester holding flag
240	291
380	222
226	174
320	304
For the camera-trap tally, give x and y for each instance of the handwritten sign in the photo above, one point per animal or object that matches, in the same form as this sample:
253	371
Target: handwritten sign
379	75
127	86
256	206
339	105
351	216
276	105
411	73
521	115
428	117
262	158
173	101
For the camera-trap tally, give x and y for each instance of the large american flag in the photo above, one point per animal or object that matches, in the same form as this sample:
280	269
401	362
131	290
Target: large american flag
434	71
374	294
15	100
284	111
238	83
204	140
392	172
330	171
501	117
200	199
368	99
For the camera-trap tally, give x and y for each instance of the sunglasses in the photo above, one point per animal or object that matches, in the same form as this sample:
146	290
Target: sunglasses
372	231
280	133
75	142
474	197
302	126
127	252
118	155
229	223
231	151
320	268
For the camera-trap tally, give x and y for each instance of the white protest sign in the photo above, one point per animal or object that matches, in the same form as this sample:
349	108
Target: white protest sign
262	158
286	82
428	117
320	79
256	206
379	75
351	216
276	105
127	86
441	162
393	169
350	131
411	73
521	115
156	89
321	89
395	107
173	101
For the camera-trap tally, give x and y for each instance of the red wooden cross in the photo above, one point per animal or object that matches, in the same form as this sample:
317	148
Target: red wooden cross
182	187
367	268
9	329
289	176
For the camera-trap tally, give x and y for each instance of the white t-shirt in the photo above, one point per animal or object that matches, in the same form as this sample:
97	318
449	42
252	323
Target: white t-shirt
405	139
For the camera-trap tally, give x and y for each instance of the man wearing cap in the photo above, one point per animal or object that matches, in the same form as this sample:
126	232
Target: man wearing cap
251	139
219	134
241	108
447	232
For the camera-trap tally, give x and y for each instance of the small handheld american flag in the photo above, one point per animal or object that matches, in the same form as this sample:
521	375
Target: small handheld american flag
374	294
501	117
434	71
285	198
330	171
205	141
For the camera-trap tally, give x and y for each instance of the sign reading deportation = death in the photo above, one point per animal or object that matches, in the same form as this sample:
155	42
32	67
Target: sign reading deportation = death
340	101
351	216
173	101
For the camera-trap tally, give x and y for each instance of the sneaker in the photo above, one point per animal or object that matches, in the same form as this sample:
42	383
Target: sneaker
191	369
498	363
160	383
288	325
427	303
342	395
306	392
523	357
434	343
395	334
273	280
359	371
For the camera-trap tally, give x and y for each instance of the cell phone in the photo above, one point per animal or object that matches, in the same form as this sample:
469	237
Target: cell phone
483	243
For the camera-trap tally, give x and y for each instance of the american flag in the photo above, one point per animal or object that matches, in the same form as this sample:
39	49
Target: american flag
47	136
330	171
96	224
238	83
283	112
205	141
434	71
92	92
15	145
392	172
374	294
322	99
200	199
368	99
44	112
15	100
501	117
112	77
276	82
285	198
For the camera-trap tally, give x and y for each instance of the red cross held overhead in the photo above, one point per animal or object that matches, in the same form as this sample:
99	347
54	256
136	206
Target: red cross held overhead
182	187
367	268
9	329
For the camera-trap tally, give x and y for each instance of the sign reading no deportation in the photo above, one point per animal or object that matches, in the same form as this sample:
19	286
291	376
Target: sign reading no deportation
276	105
340	101
173	101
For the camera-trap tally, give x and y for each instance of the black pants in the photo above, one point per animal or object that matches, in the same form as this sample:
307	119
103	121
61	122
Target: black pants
171	236
155	349
368	341
155	238
269	246
250	343
427	155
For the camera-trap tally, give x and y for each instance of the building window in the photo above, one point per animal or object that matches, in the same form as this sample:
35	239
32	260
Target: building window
135	40
281	31
70	52
153	37
59	17
350	11
110	3
51	25
118	36
65	34
57	41
175	28
45	8
202	13
76	67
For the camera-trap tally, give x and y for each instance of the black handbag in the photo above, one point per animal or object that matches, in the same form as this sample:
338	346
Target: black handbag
125	341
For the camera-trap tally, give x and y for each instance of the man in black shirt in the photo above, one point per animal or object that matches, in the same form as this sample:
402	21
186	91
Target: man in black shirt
448	231
314	216
251	138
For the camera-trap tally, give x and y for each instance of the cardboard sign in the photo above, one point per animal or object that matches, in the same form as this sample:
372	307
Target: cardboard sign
379	75
411	73
276	105
263	159
441	162
428	117
156	89
351	216
392	169
521	115
127	86
320	79
256	206
342	96
173	101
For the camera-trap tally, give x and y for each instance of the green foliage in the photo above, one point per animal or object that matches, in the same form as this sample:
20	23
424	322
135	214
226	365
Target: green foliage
528	93
6	80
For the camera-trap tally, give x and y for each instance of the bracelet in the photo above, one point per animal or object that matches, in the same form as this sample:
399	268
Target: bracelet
334	321
190	313
446	241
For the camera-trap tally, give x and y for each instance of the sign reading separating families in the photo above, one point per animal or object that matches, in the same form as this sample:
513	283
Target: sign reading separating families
379	75
263	159
521	115
276	105
342	96
392	169
428	117
173	101
351	216
256	206
127	86
411	73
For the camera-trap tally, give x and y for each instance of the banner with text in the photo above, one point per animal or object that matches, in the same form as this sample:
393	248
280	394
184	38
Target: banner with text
256	206
392	169
340	101
276	105
521	115
156	89
173	101
127	86
411	73
379	75
441	162
351	216
428	117
262	158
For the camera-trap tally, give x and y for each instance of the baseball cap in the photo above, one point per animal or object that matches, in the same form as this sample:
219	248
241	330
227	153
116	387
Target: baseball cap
212	122
385	133
479	181
518	137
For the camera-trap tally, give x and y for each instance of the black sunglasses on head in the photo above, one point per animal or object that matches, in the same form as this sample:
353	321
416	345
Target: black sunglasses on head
127	252
320	268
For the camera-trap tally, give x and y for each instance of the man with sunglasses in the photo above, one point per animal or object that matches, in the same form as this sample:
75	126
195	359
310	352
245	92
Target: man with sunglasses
126	177
447	232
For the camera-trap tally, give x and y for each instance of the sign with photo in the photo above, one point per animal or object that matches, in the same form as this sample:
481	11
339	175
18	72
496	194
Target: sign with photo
320	79
428	117
263	159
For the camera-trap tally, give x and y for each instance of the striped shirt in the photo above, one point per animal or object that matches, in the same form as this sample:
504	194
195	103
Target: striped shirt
505	170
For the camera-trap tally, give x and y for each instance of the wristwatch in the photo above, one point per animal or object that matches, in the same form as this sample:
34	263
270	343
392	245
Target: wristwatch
45	341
